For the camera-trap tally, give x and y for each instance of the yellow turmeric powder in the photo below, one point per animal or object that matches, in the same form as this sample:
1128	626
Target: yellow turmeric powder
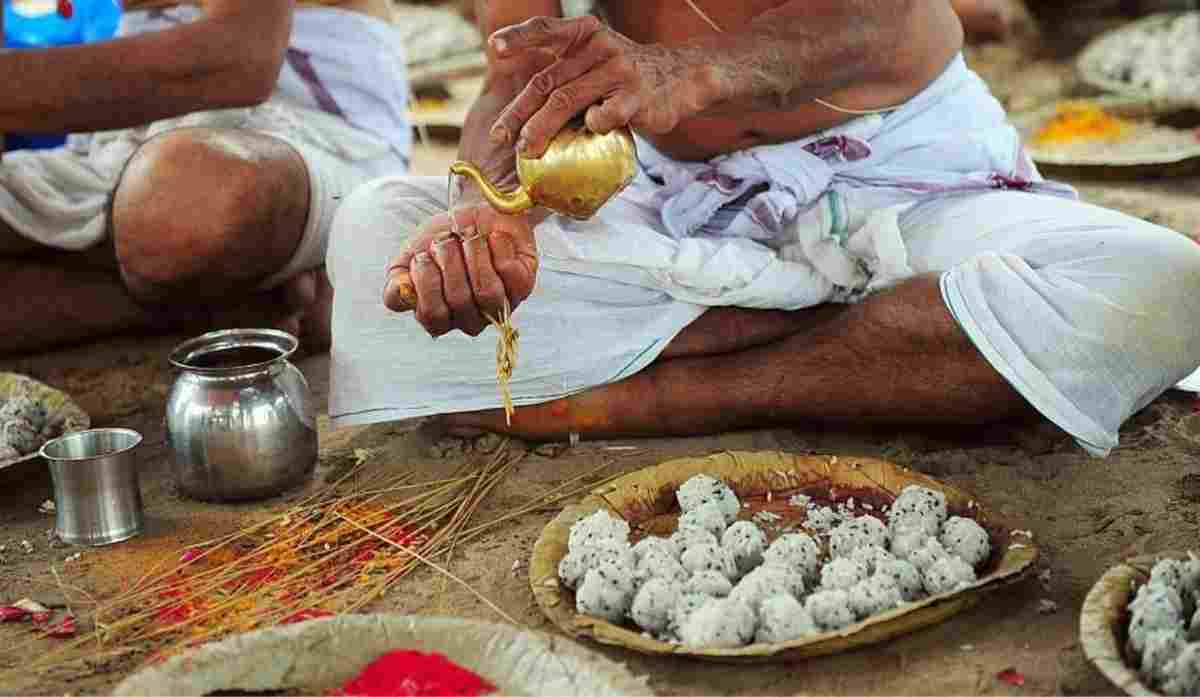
1078	120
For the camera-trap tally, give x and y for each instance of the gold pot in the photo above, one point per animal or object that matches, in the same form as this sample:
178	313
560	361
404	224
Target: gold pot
579	173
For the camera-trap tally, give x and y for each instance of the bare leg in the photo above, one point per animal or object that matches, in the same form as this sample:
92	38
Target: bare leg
200	217
898	357
728	329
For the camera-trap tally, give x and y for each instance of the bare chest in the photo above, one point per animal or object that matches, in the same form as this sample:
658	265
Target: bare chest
674	21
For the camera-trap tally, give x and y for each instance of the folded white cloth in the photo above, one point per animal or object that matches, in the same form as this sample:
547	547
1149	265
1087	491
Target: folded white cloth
1087	312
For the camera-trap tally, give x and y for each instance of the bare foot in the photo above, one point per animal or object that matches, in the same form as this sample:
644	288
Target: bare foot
895	358
316	319
718	331
300	307
596	411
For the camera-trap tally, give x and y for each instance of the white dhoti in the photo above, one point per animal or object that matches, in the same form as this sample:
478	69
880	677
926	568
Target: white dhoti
1087	312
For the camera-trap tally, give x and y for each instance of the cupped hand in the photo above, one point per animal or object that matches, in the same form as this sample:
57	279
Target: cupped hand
614	80
459	282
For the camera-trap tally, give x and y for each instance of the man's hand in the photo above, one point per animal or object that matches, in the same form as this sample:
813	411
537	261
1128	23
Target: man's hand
457	283
615	80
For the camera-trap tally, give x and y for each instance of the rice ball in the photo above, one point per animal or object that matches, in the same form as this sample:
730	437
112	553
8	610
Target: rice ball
654	545
906	577
702	489
712	583
686	604
1185	672
24	408
600	525
925	557
1191	576
830	609
842	573
606	592
653	603
709	558
19	435
907	537
1176	574
575	565
783	618
871	557
720	624
1161	647
874	595
747	543
966	539
686	538
1153	608
795	550
706	516
1171	573
766	581
822	519
660	565
921	501
948	574
927	525
866	531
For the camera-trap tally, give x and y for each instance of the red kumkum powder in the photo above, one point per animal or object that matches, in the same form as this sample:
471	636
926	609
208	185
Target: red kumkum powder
415	674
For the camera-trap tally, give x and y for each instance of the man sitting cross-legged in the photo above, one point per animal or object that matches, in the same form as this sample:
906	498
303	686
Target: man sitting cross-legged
220	139
833	220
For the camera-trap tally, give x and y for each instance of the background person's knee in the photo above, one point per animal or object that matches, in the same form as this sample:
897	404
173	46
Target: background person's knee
200	213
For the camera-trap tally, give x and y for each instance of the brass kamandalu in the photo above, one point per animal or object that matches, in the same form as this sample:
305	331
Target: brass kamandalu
579	172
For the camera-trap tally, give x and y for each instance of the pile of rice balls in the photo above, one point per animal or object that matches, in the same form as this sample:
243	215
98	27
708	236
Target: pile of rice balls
718	582
23	426
1164	627
1163	58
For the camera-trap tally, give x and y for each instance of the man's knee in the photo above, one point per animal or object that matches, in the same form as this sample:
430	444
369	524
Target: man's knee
207	212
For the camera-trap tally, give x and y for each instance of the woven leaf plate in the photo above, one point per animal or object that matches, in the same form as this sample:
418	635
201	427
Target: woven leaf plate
64	415
1165	161
766	480
1104	621
318	655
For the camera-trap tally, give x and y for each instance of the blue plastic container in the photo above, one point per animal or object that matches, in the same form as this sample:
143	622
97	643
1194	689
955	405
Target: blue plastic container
38	24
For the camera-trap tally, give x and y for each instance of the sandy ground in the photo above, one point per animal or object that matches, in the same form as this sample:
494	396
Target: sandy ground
1086	513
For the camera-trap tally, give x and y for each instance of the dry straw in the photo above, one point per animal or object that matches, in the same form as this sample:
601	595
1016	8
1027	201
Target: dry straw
506	356
335	551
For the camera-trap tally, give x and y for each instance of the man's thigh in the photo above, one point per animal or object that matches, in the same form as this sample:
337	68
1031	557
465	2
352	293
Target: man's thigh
1105	248
1088	312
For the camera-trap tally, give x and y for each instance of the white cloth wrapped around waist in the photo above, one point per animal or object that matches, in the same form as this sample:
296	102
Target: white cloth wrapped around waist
797	224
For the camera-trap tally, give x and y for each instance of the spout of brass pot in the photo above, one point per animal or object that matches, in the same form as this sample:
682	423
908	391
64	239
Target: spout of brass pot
511	203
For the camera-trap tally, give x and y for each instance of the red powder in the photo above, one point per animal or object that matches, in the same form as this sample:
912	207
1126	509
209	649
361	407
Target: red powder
415	674
13	614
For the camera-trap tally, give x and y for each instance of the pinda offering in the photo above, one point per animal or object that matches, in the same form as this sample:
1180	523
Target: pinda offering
720	582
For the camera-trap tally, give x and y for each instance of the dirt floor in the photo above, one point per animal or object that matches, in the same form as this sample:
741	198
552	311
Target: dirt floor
1086	513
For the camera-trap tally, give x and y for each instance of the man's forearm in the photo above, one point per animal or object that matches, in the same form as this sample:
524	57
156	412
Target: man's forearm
213	63
801	50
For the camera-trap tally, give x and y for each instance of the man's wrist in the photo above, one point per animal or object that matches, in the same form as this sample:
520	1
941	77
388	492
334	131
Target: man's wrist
707	83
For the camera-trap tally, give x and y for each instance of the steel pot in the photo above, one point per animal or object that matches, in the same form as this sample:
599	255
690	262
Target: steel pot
240	420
